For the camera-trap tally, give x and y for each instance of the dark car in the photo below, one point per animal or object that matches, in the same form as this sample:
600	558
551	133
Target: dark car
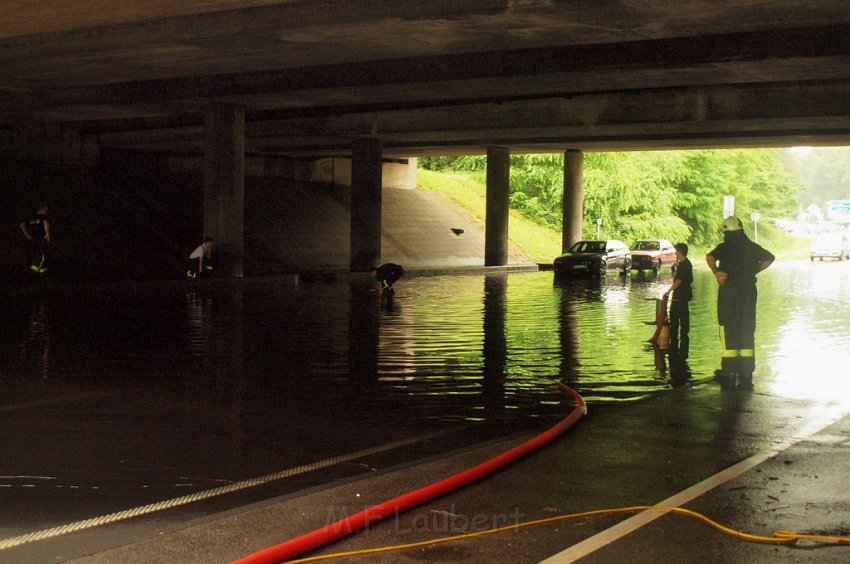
652	254
594	258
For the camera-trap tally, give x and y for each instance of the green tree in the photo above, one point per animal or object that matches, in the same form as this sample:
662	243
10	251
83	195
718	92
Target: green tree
677	195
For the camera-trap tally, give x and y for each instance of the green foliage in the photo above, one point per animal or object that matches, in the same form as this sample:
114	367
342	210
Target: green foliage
676	195
462	163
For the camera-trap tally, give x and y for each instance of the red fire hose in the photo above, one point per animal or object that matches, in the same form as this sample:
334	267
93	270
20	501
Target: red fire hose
344	527
659	337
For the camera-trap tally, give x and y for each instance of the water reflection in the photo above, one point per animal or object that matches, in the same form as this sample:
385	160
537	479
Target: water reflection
363	332
495	350
680	371
35	347
568	332
198	321
446	347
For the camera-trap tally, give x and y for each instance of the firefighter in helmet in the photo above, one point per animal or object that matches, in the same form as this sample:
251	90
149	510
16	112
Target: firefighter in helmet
735	263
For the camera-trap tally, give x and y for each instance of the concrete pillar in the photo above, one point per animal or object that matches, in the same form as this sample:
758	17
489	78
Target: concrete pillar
498	206
365	242
573	202
224	186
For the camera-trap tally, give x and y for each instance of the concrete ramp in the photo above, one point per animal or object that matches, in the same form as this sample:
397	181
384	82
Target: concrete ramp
300	226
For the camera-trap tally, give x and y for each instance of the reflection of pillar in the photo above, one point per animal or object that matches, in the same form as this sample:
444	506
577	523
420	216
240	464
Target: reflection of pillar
39	337
495	342
365	229
498	200
363	329
224	185
569	336
573	198
221	319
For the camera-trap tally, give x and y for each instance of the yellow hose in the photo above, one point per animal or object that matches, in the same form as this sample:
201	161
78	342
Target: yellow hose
787	538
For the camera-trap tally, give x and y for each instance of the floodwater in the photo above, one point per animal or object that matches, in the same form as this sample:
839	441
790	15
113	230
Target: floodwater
115	397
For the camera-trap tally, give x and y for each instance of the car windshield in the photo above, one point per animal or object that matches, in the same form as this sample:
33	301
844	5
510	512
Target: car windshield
646	246
589	247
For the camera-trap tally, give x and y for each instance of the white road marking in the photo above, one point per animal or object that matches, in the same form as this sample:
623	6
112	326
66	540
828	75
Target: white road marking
632	524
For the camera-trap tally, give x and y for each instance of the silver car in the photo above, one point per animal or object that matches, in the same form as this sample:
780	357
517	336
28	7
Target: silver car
830	246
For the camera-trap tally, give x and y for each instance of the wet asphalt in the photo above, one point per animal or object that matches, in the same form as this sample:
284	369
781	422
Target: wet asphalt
793	456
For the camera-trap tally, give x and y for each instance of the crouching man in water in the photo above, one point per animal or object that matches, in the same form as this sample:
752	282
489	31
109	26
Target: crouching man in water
735	263
200	261
387	275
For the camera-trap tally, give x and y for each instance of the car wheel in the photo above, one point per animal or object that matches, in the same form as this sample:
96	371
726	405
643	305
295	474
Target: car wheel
603	268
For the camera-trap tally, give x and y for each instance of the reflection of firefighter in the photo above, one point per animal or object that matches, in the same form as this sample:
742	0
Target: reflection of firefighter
735	263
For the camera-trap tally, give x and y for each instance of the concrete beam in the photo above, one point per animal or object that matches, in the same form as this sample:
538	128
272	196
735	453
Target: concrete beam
744	115
732	57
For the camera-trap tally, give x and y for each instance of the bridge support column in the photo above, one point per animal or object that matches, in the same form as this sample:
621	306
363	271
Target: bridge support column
365	243
573	201
224	186
498	206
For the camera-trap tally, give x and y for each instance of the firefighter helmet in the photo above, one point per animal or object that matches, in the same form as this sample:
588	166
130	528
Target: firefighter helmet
731	223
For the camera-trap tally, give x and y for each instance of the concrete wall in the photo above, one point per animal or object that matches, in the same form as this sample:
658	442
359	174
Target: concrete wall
337	170
332	170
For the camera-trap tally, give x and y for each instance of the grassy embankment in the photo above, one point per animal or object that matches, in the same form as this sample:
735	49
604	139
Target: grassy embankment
541	244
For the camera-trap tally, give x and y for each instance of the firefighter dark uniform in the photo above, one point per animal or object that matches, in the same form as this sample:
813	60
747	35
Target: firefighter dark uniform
35	228
680	315
388	274
740	259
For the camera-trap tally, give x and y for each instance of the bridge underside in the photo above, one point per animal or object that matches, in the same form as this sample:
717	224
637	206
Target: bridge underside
428	77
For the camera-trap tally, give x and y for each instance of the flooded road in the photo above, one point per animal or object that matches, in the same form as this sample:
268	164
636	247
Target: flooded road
117	398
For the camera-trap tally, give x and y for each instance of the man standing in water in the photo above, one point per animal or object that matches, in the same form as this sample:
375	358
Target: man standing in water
36	229
735	263
680	316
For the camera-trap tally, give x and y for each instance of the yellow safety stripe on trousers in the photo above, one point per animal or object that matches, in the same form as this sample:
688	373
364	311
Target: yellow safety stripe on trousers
747	353
730	353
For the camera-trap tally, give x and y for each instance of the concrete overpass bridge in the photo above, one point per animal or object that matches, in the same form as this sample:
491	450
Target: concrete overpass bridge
232	83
